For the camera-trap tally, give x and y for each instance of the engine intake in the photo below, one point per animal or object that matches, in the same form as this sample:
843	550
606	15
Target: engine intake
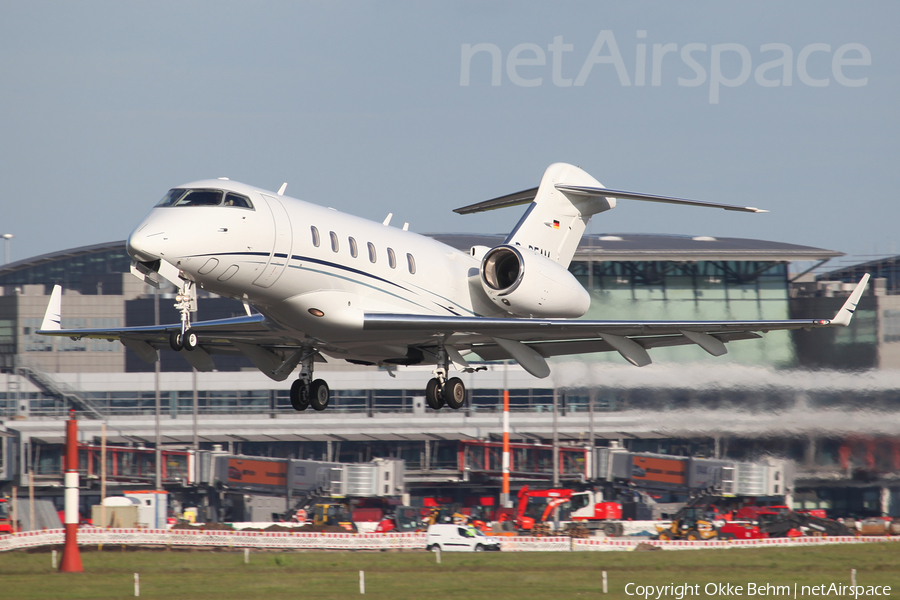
527	284
502	269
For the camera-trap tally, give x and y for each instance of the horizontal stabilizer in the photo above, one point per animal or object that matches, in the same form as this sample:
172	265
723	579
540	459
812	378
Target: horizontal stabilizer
526	196
580	190
523	197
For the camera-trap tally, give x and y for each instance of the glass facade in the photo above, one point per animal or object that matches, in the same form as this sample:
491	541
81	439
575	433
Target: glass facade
701	290
85	270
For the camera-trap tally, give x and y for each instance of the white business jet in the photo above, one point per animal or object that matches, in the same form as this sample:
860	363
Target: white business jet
327	284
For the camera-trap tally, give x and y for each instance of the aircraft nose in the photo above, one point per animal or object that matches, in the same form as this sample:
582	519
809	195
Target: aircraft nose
143	245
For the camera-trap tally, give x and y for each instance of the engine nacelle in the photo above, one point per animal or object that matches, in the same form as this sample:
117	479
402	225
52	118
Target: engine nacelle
529	285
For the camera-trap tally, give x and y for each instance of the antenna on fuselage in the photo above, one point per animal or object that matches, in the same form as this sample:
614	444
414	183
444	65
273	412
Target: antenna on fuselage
406	227
282	188
387	219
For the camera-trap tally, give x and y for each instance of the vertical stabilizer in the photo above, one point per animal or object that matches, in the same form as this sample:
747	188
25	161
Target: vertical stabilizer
555	221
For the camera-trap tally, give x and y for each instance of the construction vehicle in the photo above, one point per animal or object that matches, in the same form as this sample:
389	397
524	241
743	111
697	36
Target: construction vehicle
780	521
589	509
704	518
578	513
6	524
710	516
333	514
405	519
695	521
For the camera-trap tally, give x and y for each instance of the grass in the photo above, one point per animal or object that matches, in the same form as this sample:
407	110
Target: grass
415	575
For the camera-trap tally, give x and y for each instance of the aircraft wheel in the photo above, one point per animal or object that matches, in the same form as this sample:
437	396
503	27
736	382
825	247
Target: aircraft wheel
190	340
175	341
454	393
433	396
318	394
299	395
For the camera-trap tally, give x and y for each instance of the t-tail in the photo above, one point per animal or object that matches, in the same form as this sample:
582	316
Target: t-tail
561	206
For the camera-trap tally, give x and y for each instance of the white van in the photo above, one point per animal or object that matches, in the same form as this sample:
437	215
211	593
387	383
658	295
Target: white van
458	538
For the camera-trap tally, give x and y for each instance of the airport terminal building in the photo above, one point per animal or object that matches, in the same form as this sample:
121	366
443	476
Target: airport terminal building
838	424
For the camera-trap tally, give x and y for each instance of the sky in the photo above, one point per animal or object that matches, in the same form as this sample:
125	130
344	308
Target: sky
400	107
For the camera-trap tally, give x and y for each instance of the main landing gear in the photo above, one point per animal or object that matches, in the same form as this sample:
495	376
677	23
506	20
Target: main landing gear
440	390
305	391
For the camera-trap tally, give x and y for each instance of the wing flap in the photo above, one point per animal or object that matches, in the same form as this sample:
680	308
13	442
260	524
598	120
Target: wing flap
556	329
570	347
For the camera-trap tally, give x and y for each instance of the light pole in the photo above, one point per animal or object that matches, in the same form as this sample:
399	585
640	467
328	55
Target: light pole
6	237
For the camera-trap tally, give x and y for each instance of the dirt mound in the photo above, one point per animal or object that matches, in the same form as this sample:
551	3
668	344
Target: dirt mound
645	547
320	529
204	527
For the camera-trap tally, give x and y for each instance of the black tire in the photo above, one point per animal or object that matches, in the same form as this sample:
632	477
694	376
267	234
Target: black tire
479	548
429	548
433	396
454	393
299	395
175	341
190	340
693	535
319	394
611	530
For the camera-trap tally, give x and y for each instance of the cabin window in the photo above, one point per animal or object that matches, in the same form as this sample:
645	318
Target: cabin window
372	256
392	260
315	236
354	251
411	262
334	242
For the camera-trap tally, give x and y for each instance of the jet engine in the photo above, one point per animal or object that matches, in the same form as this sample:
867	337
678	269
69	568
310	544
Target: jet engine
527	284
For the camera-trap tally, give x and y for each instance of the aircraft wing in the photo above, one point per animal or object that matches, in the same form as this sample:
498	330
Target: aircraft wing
251	328
274	351
529	341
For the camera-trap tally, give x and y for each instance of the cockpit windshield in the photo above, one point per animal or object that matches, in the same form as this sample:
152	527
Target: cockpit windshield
183	197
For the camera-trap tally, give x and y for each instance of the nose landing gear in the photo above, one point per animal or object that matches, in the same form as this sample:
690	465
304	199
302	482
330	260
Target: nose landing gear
186	303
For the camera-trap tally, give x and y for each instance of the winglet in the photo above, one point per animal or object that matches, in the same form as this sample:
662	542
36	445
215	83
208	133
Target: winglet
844	315
53	316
